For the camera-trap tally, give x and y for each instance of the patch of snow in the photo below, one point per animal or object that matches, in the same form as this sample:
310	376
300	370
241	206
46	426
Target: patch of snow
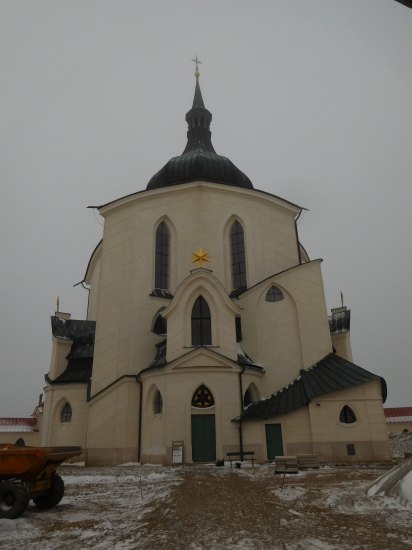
406	488
400	443
375	489
16	428
315	544
395	485
289	493
88	480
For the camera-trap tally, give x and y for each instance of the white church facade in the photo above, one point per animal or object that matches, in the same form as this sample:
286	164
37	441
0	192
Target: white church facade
207	324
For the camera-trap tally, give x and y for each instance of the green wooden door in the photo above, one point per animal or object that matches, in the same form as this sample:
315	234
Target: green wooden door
203	438
274	442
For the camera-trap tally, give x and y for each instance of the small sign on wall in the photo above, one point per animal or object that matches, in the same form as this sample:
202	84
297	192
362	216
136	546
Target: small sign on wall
177	452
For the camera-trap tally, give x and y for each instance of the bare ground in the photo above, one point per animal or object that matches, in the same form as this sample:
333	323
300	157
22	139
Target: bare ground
205	507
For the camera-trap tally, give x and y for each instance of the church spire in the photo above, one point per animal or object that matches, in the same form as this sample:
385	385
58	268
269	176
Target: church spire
198	99
199	161
198	120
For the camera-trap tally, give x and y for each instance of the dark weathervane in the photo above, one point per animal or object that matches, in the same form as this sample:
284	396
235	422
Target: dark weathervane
196	60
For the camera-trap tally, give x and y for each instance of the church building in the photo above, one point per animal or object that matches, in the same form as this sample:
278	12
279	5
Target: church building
207	324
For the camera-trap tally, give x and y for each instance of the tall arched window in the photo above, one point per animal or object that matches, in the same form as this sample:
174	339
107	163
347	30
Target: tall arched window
162	257
66	414
237	247
201	323
158	403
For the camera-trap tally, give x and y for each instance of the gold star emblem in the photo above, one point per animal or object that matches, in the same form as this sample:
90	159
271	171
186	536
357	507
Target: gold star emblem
200	257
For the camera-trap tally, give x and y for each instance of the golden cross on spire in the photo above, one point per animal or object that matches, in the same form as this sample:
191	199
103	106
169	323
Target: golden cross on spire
196	60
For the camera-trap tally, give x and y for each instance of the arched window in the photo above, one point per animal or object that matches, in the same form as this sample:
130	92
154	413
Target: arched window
160	325
247	399
158	403
66	414
202	398
251	394
162	257
201	323
347	416
237	247
274	294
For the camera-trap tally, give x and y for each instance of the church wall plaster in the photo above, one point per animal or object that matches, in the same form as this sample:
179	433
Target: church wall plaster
112	430
60	350
57	433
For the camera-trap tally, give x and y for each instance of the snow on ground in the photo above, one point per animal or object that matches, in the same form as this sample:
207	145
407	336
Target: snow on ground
397	483
204	507
98	506
400	443
406	488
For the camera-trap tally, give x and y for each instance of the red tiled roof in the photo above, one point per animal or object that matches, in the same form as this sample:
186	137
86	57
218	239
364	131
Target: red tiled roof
397	411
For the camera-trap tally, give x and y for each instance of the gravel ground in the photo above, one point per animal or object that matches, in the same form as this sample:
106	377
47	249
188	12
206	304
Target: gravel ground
204	507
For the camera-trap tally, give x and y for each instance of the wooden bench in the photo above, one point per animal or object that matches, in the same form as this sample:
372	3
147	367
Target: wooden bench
239	455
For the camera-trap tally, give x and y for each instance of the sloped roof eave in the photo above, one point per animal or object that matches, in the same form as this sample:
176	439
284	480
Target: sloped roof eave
320	379
126	198
251	366
284	271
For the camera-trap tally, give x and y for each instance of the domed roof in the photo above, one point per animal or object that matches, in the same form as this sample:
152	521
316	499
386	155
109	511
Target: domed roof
199	161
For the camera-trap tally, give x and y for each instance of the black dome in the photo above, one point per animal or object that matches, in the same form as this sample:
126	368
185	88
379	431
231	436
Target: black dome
199	161
199	165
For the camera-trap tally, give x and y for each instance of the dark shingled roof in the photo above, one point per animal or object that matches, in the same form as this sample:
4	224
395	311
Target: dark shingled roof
160	358
73	328
333	373
77	371
199	160
80	357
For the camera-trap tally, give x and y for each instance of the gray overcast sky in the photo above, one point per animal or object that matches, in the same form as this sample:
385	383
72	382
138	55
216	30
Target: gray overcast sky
312	100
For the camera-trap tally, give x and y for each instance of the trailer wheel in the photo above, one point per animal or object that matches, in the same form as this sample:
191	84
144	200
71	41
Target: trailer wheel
53	495
14	499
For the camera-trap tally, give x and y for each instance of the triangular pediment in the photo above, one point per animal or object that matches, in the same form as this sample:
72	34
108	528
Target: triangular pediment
202	358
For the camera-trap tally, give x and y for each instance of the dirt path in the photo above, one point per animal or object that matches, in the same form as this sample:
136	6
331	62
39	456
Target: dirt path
318	510
205	508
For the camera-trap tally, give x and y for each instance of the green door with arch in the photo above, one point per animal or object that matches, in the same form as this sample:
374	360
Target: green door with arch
203	438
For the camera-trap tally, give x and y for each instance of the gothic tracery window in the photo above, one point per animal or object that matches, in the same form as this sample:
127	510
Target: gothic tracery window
66	414
347	416
237	248
202	398
201	323
162	256
274	294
